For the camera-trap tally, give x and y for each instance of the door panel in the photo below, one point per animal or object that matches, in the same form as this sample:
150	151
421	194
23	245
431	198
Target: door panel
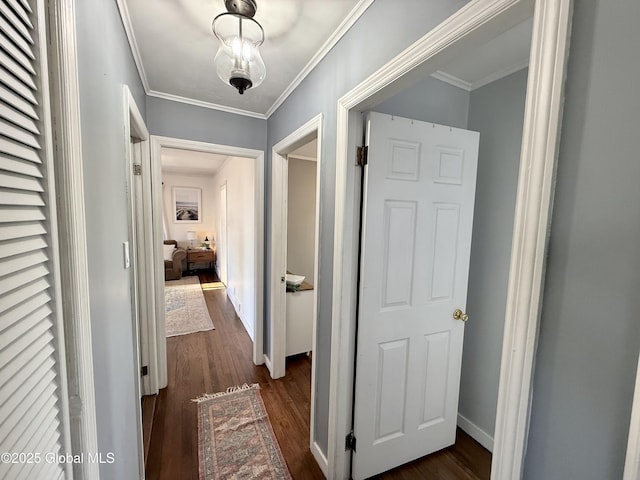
417	220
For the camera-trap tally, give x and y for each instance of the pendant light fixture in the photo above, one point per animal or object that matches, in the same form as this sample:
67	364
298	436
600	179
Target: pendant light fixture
238	61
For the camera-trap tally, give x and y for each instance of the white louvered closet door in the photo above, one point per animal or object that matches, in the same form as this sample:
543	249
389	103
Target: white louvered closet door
32	393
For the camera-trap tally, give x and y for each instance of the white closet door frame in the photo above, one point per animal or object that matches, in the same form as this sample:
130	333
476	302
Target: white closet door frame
474	23
72	245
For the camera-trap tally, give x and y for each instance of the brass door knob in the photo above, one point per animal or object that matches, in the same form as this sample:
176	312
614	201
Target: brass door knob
460	315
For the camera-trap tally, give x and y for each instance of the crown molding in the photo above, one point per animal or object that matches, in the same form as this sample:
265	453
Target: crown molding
470	87
331	42
452	80
500	74
200	103
135	51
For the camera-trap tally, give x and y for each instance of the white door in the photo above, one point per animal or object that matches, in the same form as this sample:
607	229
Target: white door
221	247
418	212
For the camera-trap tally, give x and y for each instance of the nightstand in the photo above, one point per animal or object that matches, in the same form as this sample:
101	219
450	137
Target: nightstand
197	255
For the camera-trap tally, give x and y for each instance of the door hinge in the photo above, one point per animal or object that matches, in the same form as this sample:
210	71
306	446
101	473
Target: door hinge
144	371
362	156
137	169
350	442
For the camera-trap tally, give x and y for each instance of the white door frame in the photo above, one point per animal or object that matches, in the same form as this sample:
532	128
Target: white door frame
632	461
157	143
223	237
72	244
140	253
279	191
476	22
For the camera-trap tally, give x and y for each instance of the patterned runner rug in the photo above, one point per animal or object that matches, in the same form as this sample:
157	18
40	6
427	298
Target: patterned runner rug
185	308
235	438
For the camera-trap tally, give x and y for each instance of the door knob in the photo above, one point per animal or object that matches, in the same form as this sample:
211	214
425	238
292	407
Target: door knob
460	315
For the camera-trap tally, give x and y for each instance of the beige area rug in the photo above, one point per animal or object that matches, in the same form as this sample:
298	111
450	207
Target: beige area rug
185	308
235	438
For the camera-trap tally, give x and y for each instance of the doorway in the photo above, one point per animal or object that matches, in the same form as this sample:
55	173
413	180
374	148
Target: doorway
257	245
476	22
308	137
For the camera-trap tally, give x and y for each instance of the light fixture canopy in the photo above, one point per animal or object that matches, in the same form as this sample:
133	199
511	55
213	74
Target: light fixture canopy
238	61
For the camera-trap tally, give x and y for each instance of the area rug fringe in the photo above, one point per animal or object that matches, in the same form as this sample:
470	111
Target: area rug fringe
237	388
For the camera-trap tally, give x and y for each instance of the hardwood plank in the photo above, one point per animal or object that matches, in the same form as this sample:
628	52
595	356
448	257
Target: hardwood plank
212	361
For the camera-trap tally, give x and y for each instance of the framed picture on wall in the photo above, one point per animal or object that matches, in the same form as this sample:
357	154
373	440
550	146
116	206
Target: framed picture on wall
187	205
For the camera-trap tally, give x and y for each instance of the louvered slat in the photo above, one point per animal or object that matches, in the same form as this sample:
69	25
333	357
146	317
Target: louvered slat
31	346
35	292
24	104
20	182
19	36
22	9
11	197
37	323
20	151
11	282
15	53
19	263
17	247
21	230
30	410
10	66
41	357
15	83
19	404
21	415
18	120
16	165
16	214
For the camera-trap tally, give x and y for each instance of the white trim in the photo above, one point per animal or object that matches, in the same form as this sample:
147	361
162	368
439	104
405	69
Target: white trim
452	80
72	243
277	340
303	157
157	143
320	458
477	21
632	460
267	363
142	278
470	87
331	42
505	72
279	177
203	104
475	432
133	45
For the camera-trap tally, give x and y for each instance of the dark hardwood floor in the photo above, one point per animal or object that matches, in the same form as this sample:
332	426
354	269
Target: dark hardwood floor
208	362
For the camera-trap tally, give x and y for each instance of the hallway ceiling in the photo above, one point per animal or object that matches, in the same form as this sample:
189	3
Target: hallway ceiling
173	47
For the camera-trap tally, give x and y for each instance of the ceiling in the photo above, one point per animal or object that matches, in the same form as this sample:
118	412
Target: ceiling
174	47
189	162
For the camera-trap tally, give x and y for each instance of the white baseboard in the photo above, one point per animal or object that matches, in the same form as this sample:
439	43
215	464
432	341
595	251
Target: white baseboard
267	362
320	458
475	432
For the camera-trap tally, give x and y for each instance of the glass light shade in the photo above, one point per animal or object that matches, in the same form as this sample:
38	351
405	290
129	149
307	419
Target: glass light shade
238	61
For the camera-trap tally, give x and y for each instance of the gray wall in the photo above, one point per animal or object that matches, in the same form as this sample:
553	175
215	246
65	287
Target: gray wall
180	120
497	112
105	63
590	333
353	59
430	100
